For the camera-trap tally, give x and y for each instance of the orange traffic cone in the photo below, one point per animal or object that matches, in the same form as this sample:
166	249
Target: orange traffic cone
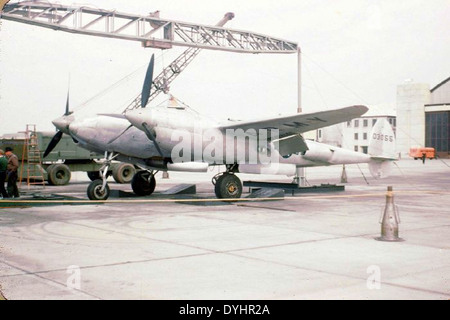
390	220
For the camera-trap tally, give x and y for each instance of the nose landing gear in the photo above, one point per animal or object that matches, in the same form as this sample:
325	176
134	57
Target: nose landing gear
99	189
143	182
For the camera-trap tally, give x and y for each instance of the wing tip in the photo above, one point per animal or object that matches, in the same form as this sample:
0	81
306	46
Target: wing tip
361	109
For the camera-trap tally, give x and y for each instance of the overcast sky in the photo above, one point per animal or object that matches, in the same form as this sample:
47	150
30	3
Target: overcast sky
354	52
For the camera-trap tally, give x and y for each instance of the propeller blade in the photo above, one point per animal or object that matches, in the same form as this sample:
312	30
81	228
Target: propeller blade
56	138
67	105
147	87
150	135
114	139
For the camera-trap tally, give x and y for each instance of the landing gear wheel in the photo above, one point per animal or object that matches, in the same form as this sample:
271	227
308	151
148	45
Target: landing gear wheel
228	186
123	173
58	174
94	191
143	183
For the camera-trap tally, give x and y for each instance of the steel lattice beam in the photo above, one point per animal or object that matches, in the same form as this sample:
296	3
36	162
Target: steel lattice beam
149	30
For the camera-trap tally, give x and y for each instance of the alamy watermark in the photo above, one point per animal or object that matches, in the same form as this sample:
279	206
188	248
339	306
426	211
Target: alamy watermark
74	279
235	146
374	280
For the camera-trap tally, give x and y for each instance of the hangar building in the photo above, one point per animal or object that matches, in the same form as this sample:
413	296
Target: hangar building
423	117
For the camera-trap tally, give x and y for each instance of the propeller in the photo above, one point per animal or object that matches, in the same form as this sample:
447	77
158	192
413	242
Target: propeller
151	136
148	81
55	140
145	95
57	137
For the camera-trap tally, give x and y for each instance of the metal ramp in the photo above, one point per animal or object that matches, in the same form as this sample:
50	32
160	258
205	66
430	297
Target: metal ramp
181	189
293	188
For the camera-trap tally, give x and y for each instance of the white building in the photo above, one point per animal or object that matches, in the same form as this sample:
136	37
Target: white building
411	101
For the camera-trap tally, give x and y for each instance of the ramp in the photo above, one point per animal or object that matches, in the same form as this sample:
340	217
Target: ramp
181	189
267	193
294	188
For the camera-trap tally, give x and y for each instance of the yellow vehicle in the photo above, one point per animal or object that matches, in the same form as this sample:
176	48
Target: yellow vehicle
420	153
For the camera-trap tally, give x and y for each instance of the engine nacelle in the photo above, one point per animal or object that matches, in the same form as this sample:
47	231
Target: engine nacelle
286	169
320	153
188	167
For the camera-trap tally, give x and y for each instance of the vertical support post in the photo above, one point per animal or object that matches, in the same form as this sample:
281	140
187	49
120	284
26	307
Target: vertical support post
300	173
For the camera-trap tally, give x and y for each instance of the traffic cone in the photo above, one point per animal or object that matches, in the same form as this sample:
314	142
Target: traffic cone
389	220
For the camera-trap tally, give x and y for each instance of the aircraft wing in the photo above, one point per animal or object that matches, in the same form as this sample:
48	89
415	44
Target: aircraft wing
291	127
302	122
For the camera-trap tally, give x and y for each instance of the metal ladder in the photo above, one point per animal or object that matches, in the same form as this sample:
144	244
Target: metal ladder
31	157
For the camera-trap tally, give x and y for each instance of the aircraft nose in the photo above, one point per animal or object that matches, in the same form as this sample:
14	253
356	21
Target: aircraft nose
62	124
135	117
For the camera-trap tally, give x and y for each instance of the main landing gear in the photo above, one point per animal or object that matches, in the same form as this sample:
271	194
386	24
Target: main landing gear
143	182
227	185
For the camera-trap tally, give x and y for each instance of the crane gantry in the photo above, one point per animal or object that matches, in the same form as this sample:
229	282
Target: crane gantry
150	30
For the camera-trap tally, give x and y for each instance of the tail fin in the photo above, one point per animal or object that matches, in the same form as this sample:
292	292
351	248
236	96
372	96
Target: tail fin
382	149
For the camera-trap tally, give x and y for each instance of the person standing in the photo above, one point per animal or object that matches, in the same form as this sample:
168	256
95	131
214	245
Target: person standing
3	166
11	173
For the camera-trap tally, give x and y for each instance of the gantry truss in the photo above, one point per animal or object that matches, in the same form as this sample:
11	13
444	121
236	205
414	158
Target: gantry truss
150	30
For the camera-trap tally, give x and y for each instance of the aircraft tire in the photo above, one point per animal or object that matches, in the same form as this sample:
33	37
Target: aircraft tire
58	174
228	186
143	183
123	173
94	190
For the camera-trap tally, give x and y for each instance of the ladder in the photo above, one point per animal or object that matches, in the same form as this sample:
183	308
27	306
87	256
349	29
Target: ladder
31	159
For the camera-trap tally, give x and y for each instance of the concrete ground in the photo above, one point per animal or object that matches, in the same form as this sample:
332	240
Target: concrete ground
312	246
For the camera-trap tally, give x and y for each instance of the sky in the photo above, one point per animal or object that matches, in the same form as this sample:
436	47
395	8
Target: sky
353	52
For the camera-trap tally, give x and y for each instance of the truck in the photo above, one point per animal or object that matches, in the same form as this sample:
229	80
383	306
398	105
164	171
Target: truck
66	157
419	153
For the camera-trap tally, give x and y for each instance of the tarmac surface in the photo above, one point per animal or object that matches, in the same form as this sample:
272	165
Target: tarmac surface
308	246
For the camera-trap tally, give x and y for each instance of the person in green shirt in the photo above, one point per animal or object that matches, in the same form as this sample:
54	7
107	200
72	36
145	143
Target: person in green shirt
3	165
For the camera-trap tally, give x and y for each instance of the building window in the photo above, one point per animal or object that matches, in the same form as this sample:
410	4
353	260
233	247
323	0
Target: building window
365	123
356	123
356	136
356	148
349	124
374	121
365	136
320	134
365	149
